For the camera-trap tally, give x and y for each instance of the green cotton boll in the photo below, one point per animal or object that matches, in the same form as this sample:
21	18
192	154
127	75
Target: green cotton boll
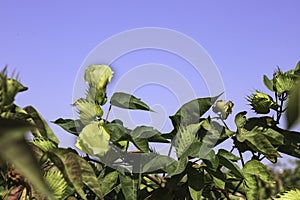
12	88
261	102
283	82
225	109
219	106
100	96
96	95
99	111
98	75
93	140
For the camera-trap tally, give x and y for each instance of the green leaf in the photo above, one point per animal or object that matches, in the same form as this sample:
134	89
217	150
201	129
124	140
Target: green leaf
69	125
15	149
93	140
218	176
253	131
228	155
117	131
129	186
253	170
185	137
68	163
142	135
212	133
56	182
259	143
268	83
88	110
266	125
297	68
195	182
127	101
141	143
98	75
157	162
43	128
191	112
291	143
44	144
176	168
240	119
149	133
293	108
273	136
89	177
109	182
211	160
226	162
292	194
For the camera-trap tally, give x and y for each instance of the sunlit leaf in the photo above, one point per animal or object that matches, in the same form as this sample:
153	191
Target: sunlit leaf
56	182
259	143
123	100
252	171
191	112
88	110
240	119
292	194
44	144
108	182
185	137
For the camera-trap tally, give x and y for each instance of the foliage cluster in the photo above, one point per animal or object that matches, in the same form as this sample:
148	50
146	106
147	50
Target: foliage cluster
41	169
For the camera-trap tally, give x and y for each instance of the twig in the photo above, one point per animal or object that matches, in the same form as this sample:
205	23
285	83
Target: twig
169	153
237	187
106	118
153	179
242	160
87	158
233	147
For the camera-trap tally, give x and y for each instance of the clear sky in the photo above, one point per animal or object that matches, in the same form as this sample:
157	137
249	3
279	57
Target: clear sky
47	42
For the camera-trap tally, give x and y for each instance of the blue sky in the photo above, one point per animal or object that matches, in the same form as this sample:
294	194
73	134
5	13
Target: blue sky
47	43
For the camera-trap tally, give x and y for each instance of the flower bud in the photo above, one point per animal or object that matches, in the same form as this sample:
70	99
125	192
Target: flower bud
261	102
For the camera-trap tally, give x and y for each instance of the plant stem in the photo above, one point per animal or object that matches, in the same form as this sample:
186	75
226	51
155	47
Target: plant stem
242	160
153	179
87	158
169	153
233	147
106	118
281	98
262	158
237	187
224	123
